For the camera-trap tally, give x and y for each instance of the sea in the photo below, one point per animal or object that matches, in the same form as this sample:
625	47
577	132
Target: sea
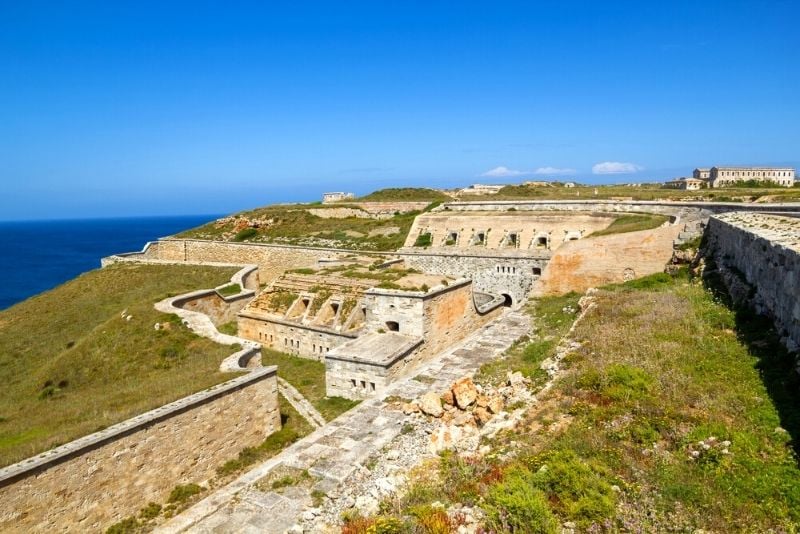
39	255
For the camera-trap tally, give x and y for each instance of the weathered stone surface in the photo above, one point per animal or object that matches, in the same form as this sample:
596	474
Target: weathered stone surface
482	415
758	257
496	404
431	404
448	398
464	392
410	407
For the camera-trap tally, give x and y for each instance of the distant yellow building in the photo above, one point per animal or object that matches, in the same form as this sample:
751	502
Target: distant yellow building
726	176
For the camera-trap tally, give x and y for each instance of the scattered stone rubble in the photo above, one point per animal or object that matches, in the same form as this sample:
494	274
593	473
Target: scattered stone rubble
454	419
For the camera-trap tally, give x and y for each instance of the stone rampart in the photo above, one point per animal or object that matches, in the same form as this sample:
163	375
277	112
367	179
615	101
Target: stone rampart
306	341
759	258
493	272
664	207
518	230
94	481
579	265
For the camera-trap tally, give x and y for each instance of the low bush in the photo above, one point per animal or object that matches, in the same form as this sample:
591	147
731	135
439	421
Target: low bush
183	492
517	505
244	235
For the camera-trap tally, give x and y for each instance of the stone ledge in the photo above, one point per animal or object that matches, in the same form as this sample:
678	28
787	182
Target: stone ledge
381	350
82	445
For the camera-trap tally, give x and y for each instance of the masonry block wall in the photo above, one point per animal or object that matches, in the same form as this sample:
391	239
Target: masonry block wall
512	274
93	482
763	250
272	260
596	261
291	338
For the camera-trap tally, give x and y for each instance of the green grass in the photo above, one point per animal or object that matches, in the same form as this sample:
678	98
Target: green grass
681	414
295	225
230	289
406	194
308	376
631	223
552	317
70	364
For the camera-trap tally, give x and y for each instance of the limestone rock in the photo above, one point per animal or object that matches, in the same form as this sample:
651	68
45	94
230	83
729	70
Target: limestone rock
366	505
515	379
496	404
463	418
482	401
465	392
448	398
431	404
410	407
482	415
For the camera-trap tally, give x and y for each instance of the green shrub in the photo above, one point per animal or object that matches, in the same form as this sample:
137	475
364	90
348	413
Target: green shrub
424	240
126	526
183	492
516	505
150	511
244	235
576	486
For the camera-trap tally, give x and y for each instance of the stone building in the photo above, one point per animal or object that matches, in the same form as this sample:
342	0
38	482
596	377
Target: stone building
701	173
336	196
369	326
689	184
726	176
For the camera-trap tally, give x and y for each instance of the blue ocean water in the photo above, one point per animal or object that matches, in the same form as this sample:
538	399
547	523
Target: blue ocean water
39	255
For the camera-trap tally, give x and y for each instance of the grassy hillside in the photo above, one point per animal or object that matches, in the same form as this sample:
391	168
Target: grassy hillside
406	194
71	364
295	225
675	414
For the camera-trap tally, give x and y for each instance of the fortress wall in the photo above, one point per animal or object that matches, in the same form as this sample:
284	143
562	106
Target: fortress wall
290	338
220	310
442	318
556	229
760	262
437	320
93	482
496	273
579	265
272	260
390	208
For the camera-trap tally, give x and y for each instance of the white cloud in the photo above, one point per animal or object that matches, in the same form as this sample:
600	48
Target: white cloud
554	171
616	167
502	172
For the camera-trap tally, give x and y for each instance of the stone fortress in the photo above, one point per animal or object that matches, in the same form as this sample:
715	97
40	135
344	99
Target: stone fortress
375	319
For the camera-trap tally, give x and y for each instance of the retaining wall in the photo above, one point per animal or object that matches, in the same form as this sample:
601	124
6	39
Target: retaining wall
579	265
93	482
759	258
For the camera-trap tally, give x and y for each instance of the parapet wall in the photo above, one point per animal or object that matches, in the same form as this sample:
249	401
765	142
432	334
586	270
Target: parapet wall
93	482
760	259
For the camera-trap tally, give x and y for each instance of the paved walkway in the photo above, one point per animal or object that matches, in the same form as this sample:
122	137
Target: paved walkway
334	451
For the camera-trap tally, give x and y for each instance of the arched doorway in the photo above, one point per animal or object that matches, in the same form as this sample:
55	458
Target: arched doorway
507	300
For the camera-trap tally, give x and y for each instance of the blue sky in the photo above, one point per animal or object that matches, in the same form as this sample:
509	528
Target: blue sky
142	108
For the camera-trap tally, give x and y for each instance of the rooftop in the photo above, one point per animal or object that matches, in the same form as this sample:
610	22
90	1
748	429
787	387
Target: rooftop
376	348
